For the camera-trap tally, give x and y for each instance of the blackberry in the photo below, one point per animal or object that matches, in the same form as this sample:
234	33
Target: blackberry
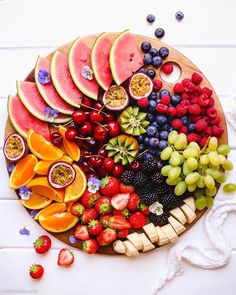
127	177
149	199
149	166
141	191
161	190
159	219
170	201
157	178
140	179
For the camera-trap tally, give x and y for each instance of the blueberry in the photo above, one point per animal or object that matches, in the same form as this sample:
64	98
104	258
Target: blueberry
163	135
184	120
146	46
150	117
158	100
151	131
159	33
147	59
159	165
146	141
153	142
165	127
164	92
152	152
157	135
150	18
153	95
157	61
140	138
170	129
161	119
179	15
153	52
142	70
146	156
162	144
191	128
155	124
151	73
158	152
163	52
142	147
175	99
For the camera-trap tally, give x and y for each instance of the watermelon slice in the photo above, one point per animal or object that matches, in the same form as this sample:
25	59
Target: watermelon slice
125	58
80	57
48	91
62	81
31	98
100	60
22	120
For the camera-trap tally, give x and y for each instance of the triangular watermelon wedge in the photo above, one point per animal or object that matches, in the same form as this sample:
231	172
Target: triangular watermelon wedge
22	120
32	100
48	91
125	58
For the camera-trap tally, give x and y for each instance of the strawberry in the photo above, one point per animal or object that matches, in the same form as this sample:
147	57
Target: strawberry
110	186
120	201
144	209
105	219
88	199
77	209
89	214
36	271
106	237
94	227
137	220
133	202
119	222
81	232
42	244
123	233
124	212
90	246
65	257
103	205
126	188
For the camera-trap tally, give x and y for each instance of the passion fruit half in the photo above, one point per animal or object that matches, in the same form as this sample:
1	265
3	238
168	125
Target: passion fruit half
14	147
140	85
115	98
61	174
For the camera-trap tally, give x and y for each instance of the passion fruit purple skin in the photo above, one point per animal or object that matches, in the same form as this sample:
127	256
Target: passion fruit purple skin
56	165
7	142
117	108
147	93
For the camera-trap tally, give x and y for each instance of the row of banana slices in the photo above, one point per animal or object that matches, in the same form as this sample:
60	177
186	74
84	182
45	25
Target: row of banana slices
155	234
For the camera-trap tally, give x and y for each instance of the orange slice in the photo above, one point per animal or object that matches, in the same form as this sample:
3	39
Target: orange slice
41	186
51	209
36	202
42	148
23	172
42	166
71	148
58	222
74	191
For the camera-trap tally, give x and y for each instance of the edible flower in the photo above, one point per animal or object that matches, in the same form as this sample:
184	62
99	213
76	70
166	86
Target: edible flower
11	167
24	231
25	192
73	239
156	208
87	73
43	77
94	184
50	114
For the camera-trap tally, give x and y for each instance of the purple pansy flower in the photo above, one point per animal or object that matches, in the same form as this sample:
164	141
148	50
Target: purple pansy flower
11	167
24	231
43	77
87	73
25	192
94	184
33	213
73	239
50	114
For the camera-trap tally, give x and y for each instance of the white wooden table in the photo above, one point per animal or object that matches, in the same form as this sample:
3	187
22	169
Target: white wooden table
29	28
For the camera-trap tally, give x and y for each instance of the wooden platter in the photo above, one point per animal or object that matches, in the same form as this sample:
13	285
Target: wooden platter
186	67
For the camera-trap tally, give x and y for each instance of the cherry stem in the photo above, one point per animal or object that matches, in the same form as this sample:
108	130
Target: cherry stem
90	156
99	111
101	125
83	138
142	153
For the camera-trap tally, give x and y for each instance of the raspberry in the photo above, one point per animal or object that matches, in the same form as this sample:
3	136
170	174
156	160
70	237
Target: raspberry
211	113
195	118
180	110
161	108
203	100
186	81
200	125
211	101
189	87
177	124
185	103
204	112
194	100
203	141
194	109
217	130
157	84
167	68
165	99
193	137
207	91
186	96
196	78
143	102
171	111
178	88
215	121
198	90
207	131
206	119
183	129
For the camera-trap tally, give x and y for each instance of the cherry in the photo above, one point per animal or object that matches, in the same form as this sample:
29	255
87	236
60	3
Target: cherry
86	128
71	134
135	166
101	171
87	115
85	153
117	170
113	128
100	133
78	116
91	175
109	117
96	161
91	143
86	101
85	167
98	105
103	153
96	117
108	163
56	139
80	142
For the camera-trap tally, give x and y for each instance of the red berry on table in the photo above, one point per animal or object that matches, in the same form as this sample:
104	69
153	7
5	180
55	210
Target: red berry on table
108	164
95	161
77	209
194	109
178	88
36	271
100	133
86	128
85	167
110	186
56	139
78	116
133	202
217	130
71	134
144	209
103	205
180	110
113	128
89	199
90	246
157	84
201	125
105	219
106	237
165	99
109	117
89	214
94	227
215	121
103	153
185	103
81	233
183	129
203	141
137	220
211	102
123	233
120	201
177	124
143	102
117	170
119	222
171	111
96	116
161	108
42	244
211	113
101	171
203	100
167	68
124	188
196	78
207	91
191	137
65	257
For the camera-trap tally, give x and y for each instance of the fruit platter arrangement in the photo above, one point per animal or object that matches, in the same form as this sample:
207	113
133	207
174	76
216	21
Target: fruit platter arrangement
105	154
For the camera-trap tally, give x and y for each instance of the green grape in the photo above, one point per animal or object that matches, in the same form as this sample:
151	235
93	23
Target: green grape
209	202
213	158
182	159
185	168
204	159
181	142
166	153
222	177
200	202
180	188
228	165
172	137
189	152
192	163
213	144
191	187
222	159
175	159
174	172
202	167
192	178
210	192
213	172
198	193
209	181
223	149
201	182
173	181
217	167
165	170
229	188
194	145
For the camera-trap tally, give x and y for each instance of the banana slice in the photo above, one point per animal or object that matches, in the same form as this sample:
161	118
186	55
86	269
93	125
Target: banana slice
169	232
190	201
130	250
119	247
135	239
177	226
147	245
151	232
162	238
188	212
179	215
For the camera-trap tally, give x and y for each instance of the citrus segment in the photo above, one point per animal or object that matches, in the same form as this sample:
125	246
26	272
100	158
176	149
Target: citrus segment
51	209
42	167
71	147
36	202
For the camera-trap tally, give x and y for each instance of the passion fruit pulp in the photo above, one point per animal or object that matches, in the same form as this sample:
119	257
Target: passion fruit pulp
14	147
140	85
61	174
115	98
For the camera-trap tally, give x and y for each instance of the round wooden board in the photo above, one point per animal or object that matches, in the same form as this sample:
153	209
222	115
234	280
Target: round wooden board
187	68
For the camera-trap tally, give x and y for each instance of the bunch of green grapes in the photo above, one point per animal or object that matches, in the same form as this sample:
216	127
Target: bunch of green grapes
195	170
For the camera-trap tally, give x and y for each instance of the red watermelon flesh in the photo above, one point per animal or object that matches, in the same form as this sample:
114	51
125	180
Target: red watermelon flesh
48	91
125	58
22	120
79	57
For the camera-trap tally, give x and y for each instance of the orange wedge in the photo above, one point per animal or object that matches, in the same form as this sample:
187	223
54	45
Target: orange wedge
51	209
74	191
58	222
71	147
41	186
42	166
42	148
23	172
36	202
